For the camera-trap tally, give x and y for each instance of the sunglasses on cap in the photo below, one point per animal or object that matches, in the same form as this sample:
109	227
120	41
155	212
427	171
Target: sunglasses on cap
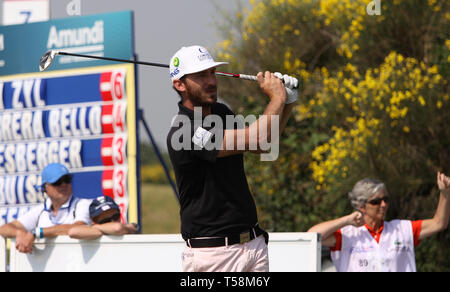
377	201
113	218
65	179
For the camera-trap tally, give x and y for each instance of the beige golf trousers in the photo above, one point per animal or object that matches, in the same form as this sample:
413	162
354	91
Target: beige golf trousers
251	256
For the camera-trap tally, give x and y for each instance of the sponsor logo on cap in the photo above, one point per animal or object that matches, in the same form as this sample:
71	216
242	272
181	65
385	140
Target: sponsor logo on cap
205	56
176	62
175	72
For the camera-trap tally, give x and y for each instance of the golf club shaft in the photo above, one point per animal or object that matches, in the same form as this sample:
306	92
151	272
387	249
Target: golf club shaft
241	76
114	59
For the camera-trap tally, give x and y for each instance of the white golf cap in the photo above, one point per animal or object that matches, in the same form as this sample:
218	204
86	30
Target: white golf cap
190	60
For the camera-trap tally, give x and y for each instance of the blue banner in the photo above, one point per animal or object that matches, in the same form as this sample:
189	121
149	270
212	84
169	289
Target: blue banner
82	114
21	46
79	120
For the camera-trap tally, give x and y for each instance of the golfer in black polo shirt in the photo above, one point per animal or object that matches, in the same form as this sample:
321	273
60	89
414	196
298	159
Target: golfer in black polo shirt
218	213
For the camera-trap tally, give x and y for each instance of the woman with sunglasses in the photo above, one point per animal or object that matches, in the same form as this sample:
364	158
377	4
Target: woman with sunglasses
106	220
364	242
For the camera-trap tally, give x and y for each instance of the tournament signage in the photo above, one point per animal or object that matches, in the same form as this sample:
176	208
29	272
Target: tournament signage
81	114
25	11
21	46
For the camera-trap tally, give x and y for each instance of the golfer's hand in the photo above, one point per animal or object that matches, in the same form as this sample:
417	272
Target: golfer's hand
271	86
356	219
291	85
24	241
443	183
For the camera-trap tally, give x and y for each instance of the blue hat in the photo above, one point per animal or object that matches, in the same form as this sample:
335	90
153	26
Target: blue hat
102	204
53	172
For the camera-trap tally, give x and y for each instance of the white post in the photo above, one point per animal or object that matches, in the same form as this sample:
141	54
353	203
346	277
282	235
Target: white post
2	255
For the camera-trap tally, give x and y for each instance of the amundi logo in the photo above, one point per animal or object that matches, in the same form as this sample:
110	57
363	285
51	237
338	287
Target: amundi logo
77	40
76	37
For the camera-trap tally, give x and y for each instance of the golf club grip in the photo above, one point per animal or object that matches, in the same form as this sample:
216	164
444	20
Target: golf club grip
248	77
243	76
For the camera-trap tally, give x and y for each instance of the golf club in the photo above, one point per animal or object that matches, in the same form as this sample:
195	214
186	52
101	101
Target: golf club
48	58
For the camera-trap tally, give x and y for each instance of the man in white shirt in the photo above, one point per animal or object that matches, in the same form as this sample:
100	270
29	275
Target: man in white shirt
59	212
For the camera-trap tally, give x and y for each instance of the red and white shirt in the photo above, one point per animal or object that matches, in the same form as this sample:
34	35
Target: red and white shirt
388	249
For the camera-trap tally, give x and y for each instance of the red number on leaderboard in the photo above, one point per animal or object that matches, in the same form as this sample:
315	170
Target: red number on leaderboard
118	150
119	184
118	85
119	114
112	85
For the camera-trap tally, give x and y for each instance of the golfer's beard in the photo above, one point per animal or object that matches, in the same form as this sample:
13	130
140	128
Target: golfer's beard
200	97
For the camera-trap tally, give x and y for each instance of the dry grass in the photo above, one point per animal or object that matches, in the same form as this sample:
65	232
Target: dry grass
159	210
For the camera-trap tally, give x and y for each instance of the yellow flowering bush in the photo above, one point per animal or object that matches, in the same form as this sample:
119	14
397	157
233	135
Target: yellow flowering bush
374	102
348	15
368	108
154	174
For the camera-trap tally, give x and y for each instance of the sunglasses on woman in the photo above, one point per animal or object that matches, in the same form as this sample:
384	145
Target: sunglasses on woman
65	179
377	201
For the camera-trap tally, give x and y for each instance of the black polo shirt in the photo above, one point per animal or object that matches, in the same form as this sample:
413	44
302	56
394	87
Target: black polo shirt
214	193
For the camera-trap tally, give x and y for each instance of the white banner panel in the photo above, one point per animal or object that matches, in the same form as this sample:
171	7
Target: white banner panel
288	252
25	11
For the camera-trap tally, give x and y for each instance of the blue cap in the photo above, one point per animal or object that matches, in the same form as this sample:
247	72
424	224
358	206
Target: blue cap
102	204
53	172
